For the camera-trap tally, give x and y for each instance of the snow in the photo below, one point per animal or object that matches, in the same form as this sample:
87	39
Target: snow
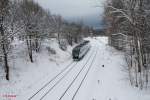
63	85
106	79
109	82
27	77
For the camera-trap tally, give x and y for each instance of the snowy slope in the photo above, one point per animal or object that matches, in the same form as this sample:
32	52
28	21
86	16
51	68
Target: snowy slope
26	77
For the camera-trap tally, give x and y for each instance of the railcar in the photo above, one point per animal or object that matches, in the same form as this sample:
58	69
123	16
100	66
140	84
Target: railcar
81	50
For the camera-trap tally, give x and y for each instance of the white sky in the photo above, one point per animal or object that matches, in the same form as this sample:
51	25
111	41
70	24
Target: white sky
76	9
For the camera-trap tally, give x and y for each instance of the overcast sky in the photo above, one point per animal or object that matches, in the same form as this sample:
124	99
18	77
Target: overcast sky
75	10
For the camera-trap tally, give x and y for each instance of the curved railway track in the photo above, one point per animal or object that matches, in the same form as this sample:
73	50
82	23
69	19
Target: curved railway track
77	77
50	81
84	77
69	67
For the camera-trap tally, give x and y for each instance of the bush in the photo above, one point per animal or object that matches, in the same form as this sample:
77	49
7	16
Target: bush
63	45
51	50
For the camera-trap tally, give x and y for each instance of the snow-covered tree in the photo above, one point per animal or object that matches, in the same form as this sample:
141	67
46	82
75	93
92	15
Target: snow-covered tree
131	19
33	18
4	34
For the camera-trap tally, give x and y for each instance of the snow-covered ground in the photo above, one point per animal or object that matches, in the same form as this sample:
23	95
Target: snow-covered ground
109	82
106	79
26	77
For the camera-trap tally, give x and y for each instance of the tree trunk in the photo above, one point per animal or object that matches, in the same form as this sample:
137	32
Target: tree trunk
6	61
6	66
58	37
4	47
29	45
37	45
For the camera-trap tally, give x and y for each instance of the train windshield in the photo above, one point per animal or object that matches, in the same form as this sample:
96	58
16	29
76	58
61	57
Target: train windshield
76	50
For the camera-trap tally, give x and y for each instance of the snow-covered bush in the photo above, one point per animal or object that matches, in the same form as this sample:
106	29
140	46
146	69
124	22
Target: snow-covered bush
63	45
50	50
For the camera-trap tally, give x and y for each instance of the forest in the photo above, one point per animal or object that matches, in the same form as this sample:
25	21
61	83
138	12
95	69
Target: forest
26	20
128	30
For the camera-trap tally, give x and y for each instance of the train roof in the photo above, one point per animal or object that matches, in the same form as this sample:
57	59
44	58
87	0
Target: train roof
83	43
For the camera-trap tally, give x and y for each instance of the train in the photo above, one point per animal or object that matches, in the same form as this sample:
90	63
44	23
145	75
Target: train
81	50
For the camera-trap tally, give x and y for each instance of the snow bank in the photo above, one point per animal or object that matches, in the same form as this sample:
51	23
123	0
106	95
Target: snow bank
26	77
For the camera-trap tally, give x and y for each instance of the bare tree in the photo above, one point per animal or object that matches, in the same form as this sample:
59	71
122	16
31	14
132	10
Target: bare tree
4	40
130	18
32	16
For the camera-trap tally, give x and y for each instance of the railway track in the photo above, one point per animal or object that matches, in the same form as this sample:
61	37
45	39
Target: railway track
63	78
51	80
81	80
64	72
84	77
